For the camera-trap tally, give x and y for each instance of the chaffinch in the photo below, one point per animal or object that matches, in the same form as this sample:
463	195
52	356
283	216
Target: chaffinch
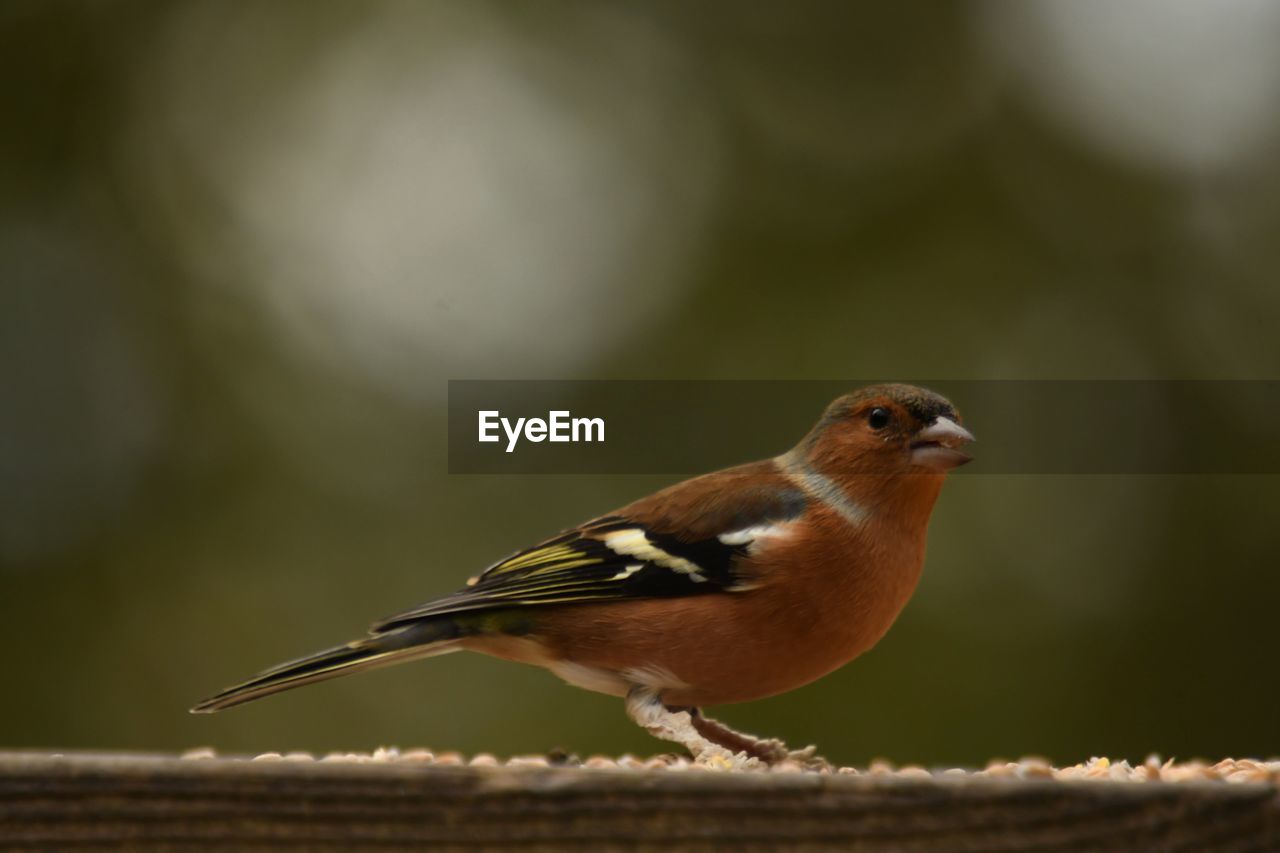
731	586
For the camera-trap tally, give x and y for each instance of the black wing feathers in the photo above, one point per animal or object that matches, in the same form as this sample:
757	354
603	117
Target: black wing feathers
607	559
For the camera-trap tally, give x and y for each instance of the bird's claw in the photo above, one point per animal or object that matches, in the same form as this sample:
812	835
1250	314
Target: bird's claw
774	752
808	759
719	758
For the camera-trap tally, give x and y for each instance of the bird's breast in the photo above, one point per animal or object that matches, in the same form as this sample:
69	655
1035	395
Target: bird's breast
832	597
820	601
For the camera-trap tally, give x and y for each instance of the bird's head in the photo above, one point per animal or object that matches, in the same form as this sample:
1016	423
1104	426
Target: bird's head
888	429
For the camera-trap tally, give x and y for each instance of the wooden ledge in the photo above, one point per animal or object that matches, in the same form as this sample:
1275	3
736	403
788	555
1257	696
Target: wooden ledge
56	802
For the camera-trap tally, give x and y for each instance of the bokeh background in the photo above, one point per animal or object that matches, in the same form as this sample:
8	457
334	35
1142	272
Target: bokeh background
243	247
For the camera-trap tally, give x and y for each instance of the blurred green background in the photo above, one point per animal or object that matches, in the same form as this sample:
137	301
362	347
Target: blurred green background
243	246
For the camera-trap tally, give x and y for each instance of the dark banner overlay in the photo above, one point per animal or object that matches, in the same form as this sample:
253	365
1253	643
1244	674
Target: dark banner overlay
1022	426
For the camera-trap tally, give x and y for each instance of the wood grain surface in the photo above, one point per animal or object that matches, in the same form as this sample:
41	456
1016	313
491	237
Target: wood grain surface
86	801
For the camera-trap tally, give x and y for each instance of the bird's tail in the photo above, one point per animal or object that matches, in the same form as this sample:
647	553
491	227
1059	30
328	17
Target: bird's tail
418	640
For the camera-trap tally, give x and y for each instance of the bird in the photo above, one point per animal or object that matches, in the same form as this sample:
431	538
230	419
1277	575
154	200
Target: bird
728	587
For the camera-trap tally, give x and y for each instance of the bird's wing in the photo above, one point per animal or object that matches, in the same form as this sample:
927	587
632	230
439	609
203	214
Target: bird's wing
621	556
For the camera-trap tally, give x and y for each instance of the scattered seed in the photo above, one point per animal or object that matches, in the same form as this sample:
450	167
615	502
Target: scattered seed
1152	770
200	753
528	761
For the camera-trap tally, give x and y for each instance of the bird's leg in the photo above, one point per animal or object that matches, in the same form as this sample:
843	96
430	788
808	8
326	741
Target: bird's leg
679	726
769	750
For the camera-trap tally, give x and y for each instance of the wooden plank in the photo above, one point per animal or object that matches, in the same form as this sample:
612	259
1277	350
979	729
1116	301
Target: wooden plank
61	802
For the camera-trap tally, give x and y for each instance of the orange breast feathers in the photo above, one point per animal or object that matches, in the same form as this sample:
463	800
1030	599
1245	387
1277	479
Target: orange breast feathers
816	603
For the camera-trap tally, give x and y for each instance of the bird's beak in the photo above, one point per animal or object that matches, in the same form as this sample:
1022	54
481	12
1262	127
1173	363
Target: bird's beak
936	446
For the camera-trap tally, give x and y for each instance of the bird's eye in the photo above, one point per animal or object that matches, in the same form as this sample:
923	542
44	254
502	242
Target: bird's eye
878	418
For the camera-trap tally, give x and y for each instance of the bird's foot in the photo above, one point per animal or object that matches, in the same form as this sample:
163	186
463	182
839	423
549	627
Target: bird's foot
774	752
770	752
718	758
678	726
807	759
713	744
